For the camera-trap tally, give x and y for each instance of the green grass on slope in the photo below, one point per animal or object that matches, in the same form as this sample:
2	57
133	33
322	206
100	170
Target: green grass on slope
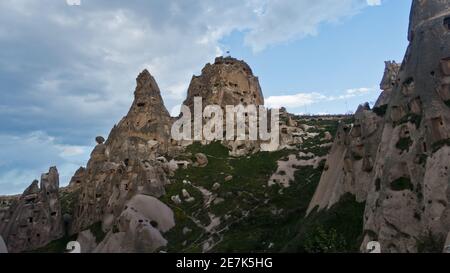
338	229
264	231
255	217
245	192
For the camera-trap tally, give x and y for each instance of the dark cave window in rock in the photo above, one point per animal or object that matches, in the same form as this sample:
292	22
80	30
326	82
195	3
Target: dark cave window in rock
126	162
154	223
30	200
30	219
447	23
53	213
408	86
141	104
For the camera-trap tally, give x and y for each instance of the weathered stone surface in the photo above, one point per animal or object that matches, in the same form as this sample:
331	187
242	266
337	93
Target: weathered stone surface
412	148
139	227
127	163
396	156
3	248
35	219
227	82
77	179
87	241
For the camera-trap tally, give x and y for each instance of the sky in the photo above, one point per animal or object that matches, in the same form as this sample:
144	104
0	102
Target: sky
68	67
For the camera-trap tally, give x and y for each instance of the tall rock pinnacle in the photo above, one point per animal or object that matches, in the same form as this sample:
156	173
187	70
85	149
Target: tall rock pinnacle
147	120
126	163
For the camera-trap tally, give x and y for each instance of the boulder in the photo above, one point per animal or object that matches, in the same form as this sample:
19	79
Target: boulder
201	159
100	140
87	241
139	227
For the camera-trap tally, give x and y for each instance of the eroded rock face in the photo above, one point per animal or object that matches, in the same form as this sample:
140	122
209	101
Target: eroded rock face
349	167
35	218
126	163
226	82
399	163
411	195
77	179
139	227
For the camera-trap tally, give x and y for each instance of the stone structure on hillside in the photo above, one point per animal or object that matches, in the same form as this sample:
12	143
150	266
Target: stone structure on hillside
35	218
404	146
230	82
226	82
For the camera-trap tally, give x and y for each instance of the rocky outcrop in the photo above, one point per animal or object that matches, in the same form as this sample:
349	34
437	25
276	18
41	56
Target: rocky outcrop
226	82
139	227
230	82
350	163
77	179
146	128
396	155
35	218
410	196
126	163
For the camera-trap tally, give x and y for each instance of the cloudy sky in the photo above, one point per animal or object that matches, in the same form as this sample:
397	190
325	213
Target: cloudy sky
68	67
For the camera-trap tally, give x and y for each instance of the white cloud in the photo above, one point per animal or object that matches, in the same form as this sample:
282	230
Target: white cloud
293	101
73	2
374	2
305	99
